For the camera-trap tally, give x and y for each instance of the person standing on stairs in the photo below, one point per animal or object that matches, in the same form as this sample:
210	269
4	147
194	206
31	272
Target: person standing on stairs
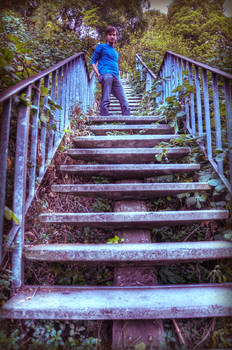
108	73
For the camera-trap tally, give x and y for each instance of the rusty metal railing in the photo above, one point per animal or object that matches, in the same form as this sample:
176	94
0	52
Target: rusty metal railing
207	107
35	116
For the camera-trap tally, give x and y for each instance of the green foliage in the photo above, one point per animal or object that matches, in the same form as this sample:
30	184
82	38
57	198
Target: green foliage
115	240
5	282
12	340
51	335
102	205
198	31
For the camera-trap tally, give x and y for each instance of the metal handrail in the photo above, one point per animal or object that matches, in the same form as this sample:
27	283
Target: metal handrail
199	64
40	107
203	114
24	83
153	75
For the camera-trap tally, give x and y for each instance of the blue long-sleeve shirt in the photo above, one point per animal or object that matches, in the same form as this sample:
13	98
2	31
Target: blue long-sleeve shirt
107	58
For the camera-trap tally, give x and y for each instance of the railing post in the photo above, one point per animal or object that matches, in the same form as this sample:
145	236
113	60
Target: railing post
227	88
5	132
20	188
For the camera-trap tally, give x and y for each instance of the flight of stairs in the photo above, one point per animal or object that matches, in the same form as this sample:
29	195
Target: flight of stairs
127	160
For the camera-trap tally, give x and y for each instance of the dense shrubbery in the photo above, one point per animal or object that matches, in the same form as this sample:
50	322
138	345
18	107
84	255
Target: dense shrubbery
194	29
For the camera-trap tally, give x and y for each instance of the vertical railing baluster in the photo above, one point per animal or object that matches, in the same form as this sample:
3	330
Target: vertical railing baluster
68	102
207	113
217	119
52	118
163	84
180	75
175	61
186	103
34	143
227	88
59	112
23	120
5	132
64	94
192	103
72	83
169	65
43	132
198	100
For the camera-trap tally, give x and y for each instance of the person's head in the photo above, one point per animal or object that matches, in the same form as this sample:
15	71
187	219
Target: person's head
111	35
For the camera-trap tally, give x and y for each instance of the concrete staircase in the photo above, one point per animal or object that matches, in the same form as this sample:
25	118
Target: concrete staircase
135	296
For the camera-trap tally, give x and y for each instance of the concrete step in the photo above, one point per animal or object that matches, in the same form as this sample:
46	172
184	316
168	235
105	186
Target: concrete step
129	98
128	171
124	119
125	155
120	303
117	104
118	108
158	253
131	191
143	129
121	141
119	220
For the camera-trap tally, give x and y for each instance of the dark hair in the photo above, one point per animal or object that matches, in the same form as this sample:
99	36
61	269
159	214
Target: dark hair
110	30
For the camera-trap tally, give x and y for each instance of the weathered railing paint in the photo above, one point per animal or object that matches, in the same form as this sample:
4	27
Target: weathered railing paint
203	106
40	130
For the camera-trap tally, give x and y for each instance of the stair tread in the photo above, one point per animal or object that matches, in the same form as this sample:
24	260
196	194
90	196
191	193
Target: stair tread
93	303
128	170
141	150
134	252
121	140
138	190
134	219
125	155
158	129
124	119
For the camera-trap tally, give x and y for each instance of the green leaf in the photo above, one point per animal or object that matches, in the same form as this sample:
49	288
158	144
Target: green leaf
220	188
228	235
14	217
10	215
213	182
159	157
